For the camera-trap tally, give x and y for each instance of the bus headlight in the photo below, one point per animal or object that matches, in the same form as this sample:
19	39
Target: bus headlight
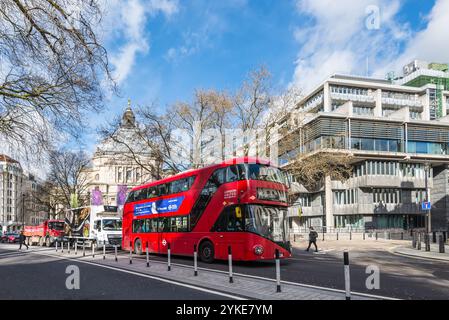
258	250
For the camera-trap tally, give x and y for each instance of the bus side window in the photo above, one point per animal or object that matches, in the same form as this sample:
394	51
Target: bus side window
152	192
229	220
162	190
242	171
232	174
153	225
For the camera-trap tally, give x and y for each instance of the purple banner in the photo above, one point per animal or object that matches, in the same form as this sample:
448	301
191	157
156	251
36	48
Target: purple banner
97	197
121	194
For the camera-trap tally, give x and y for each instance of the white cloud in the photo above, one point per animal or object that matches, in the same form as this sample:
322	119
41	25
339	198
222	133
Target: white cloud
431	44
125	30
335	38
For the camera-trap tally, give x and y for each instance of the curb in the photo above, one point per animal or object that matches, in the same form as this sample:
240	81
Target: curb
415	256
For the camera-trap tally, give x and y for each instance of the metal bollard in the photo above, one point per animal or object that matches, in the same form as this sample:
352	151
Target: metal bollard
434	237
350	235
377	236
427	241
337	235
419	241
56	245
441	243
444	236
68	247
104	251
323	234
62	247
278	272
231	279
93	249
130	252
402	235
294	237
76	247
115	253
168	257
364	235
347	275
84	249
414	240
195	262
148	255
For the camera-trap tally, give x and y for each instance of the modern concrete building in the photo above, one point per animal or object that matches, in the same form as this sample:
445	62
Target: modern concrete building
18	196
11	198
396	131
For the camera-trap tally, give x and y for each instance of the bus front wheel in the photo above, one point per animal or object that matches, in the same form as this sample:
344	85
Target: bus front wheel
207	252
138	247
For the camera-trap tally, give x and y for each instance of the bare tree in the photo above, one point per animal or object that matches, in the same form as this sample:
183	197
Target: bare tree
52	67
251	102
310	170
49	197
145	143
67	177
193	119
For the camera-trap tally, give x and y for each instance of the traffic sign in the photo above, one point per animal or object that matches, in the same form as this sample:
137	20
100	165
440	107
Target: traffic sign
164	242
426	205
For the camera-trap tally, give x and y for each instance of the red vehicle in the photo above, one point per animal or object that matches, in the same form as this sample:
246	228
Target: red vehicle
46	233
240	203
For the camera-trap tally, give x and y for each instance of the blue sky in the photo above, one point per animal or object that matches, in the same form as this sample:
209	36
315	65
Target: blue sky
163	49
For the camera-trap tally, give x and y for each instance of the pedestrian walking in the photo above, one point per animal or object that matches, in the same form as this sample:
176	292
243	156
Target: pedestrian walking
22	240
313	235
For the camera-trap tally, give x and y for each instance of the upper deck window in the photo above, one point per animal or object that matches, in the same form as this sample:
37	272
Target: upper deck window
177	186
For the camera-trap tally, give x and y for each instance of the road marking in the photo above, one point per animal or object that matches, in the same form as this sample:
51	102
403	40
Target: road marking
225	272
147	276
287	282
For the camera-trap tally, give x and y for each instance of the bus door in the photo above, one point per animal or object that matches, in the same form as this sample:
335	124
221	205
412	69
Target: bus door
229	229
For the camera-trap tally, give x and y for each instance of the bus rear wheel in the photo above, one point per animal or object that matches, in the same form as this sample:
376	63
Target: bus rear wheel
207	252
138	247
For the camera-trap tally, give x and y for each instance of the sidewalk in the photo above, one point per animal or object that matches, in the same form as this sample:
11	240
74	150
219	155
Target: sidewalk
432	254
243	286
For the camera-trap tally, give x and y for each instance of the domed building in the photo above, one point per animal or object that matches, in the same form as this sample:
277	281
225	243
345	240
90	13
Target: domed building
114	168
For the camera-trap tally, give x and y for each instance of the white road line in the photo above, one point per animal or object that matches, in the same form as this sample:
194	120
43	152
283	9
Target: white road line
148	276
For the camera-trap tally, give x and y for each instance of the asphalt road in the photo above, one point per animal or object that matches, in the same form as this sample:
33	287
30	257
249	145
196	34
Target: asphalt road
35	277
400	277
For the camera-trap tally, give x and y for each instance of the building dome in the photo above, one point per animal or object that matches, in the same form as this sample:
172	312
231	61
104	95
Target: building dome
128	118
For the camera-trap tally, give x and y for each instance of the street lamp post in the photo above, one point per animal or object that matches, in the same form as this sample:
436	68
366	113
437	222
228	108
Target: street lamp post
23	211
428	215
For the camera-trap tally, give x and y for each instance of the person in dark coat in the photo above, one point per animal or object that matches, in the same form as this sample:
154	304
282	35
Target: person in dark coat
22	240
313	235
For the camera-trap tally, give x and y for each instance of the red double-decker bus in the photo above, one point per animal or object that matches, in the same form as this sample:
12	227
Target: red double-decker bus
240	203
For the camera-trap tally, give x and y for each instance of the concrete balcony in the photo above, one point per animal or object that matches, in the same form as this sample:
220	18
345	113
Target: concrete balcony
382	181
306	211
389	208
352	97
314	103
401	102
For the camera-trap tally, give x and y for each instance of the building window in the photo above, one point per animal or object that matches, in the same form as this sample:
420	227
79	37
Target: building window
342	197
119	175
129	173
